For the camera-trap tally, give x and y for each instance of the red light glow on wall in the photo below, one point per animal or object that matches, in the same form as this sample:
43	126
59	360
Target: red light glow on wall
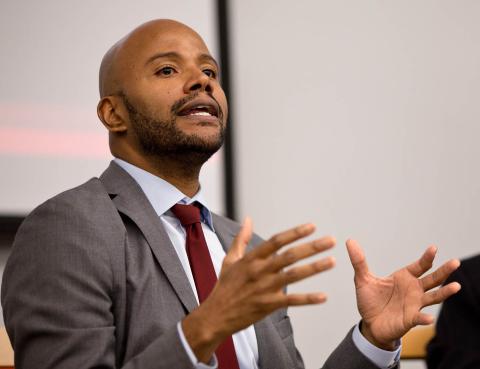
35	129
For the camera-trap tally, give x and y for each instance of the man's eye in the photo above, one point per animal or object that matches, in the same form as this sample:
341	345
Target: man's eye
165	71
210	73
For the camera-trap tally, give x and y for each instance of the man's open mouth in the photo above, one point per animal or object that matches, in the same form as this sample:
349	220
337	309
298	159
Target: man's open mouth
203	108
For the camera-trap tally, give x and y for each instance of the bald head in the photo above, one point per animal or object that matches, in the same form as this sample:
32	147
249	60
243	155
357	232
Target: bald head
116	62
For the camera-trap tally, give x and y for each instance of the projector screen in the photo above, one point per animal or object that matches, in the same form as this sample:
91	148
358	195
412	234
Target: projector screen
50	136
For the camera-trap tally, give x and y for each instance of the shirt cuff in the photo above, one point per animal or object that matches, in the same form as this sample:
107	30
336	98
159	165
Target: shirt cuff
381	358
213	364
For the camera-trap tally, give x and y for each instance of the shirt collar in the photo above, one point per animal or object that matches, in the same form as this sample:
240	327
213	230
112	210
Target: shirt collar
163	195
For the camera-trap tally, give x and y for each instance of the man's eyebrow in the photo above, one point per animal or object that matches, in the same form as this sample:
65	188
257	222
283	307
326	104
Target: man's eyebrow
210	58
169	54
174	55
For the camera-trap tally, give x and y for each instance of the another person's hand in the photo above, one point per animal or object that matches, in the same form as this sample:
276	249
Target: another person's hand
252	285
391	306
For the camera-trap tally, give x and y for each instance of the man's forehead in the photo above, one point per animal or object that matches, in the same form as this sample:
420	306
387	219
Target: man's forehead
163	36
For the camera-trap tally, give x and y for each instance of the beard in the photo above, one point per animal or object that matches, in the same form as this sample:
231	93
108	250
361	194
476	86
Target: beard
163	139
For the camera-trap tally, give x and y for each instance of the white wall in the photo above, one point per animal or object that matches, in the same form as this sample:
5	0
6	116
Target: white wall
50	136
361	116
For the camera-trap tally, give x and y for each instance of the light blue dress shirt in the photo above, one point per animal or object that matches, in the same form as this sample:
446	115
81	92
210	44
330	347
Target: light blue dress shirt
162	196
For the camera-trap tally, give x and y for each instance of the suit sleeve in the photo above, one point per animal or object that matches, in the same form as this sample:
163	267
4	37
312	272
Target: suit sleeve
58	292
456	343
348	356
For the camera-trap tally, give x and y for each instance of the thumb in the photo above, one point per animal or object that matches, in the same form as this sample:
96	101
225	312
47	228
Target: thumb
240	242
357	258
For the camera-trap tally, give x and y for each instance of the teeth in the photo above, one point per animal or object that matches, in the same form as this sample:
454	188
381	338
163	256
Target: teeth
202	113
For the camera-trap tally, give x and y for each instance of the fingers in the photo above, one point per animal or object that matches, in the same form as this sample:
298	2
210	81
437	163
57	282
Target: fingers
276	281
240	242
305	299
266	270
278	300
357	258
439	276
423	319
423	264
281	239
300	252
441	294
299	273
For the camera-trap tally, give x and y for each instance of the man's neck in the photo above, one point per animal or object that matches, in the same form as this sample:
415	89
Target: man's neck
177	173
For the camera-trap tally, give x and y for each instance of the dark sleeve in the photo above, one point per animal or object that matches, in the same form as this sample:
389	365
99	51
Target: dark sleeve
456	343
58	294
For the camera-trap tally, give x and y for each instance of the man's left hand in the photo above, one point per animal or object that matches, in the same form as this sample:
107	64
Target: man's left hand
391	306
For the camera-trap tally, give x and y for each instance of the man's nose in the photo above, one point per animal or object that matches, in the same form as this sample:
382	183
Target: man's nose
198	81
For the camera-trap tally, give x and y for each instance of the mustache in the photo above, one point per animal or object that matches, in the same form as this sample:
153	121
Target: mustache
177	105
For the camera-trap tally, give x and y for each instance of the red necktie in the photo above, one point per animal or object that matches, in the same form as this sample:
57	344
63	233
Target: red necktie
203	272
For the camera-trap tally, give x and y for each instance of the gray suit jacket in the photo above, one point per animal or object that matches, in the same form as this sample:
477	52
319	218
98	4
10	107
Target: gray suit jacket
94	282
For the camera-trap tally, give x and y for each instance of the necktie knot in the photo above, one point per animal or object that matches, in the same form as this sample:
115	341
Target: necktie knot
186	214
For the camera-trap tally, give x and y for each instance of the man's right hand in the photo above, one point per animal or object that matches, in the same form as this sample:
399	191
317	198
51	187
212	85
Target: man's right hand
252	285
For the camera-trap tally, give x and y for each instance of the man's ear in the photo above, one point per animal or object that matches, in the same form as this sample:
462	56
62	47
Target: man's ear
111	114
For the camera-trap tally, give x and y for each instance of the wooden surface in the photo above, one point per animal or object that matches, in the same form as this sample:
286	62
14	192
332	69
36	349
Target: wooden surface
414	343
6	351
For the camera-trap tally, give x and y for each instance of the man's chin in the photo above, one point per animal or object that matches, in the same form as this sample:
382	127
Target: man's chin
190	157
205	141
193	149
205	132
206	147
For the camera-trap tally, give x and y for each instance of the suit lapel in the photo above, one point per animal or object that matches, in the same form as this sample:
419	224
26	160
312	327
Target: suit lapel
130	200
226	230
272	352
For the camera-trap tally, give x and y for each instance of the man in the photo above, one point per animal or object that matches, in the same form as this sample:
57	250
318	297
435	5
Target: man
456	344
122	271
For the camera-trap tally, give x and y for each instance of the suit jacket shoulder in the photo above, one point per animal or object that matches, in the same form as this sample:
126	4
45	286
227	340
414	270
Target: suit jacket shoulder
64	290
59	260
